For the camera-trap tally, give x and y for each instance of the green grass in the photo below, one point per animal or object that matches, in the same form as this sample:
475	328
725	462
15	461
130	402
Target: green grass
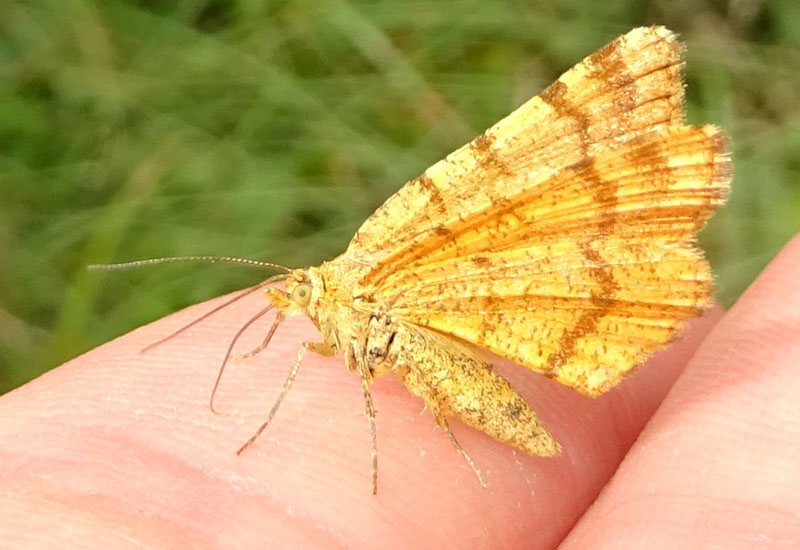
137	129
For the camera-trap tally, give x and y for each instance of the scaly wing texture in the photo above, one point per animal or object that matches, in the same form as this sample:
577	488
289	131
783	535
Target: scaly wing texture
562	237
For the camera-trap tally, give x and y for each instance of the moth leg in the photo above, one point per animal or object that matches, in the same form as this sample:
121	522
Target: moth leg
441	420
263	344
317	347
365	376
432	404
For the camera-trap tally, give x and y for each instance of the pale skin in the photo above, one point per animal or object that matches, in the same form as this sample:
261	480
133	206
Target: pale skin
119	449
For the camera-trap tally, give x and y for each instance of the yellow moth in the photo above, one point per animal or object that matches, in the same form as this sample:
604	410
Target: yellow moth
562	238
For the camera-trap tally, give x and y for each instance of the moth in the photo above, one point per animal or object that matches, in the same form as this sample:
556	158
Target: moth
562	238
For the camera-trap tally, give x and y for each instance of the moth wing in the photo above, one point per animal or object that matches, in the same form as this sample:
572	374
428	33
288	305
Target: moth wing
583	276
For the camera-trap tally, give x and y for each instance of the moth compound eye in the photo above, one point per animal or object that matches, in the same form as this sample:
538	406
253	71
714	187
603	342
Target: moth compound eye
301	294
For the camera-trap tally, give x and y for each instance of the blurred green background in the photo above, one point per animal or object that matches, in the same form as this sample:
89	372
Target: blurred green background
271	130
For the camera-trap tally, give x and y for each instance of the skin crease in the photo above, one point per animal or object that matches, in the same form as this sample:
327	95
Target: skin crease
119	449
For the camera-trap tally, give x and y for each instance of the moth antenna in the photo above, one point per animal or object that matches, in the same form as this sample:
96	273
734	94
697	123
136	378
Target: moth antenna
235	339
188	259
208	314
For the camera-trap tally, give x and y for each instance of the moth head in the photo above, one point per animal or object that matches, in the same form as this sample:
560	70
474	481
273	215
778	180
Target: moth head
302	291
